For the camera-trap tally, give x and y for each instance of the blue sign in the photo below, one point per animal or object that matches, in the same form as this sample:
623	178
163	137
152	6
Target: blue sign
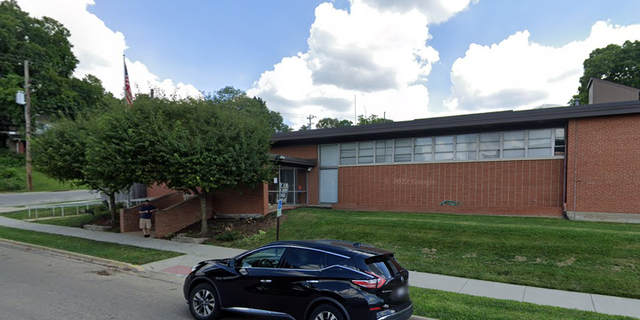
279	208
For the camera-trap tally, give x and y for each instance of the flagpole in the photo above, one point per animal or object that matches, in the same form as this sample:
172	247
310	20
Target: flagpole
128	96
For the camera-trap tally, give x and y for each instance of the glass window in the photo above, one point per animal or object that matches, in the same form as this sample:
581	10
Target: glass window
559	142
423	149
365	152
513	144
539	143
384	151
444	148
466	146
266	258
402	151
489	146
348	153
305	259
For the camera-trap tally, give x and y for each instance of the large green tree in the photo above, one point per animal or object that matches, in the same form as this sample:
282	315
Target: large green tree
619	64
45	44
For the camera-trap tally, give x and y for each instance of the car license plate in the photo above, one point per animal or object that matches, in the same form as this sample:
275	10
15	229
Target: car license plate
401	292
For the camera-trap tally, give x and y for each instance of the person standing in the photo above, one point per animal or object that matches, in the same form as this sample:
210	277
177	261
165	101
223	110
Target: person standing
146	212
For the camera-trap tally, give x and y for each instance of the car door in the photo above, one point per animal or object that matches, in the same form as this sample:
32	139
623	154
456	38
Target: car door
252	287
299	280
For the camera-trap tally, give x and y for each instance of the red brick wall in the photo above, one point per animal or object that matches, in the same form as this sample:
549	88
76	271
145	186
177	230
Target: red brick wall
603	165
129	217
158	190
526	187
304	152
179	216
252	201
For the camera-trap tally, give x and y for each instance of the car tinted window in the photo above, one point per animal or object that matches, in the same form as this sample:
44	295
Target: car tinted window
266	258
305	259
335	260
385	267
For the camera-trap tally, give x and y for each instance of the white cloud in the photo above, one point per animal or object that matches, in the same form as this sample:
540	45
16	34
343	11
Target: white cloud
377	55
99	49
435	11
518	73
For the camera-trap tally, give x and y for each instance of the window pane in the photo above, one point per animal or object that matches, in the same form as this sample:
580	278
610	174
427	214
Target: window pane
402	150
423	157
490	146
535	143
514	144
403	143
514	135
516	153
468	155
305	259
423	141
348	153
444	148
444	156
383	151
267	258
466	138
423	149
402	158
367	159
538	134
486	137
466	146
444	140
490	154
539	152
560	133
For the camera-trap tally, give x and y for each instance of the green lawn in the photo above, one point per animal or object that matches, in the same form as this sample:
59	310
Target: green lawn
113	251
452	306
56	212
602	258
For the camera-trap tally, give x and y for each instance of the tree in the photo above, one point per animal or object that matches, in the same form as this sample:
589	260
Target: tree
209	146
619	64
332	123
255	106
45	44
304	127
371	120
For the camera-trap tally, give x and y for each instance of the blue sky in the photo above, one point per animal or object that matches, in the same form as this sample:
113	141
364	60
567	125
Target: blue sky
407	59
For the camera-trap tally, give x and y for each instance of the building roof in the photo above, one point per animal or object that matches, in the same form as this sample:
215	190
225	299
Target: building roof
481	122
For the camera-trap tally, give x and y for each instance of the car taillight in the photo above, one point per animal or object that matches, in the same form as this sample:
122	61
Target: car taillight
371	283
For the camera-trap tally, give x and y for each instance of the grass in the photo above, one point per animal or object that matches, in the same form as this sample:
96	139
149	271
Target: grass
113	251
601	258
452	306
72	221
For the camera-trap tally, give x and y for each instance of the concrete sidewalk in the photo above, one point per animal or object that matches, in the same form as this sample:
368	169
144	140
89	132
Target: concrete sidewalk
194	253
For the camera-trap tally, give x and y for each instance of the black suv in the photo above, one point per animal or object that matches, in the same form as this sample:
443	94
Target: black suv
302	280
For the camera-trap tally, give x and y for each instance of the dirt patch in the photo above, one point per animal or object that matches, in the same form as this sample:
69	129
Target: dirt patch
470	255
429	251
520	259
538	260
567	262
105	272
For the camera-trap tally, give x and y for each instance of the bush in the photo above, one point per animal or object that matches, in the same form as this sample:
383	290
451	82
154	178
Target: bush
229	236
10	180
11	159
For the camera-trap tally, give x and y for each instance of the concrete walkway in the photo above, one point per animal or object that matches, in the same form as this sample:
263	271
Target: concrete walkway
194	253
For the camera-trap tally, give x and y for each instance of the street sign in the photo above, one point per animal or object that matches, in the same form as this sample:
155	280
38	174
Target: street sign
279	208
20	98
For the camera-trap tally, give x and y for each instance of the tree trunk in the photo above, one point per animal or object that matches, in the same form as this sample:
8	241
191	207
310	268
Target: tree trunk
203	213
112	207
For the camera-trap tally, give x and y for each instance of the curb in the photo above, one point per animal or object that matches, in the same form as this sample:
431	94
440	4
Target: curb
76	256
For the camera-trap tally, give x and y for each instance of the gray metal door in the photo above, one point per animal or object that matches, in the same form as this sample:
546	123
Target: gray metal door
329	158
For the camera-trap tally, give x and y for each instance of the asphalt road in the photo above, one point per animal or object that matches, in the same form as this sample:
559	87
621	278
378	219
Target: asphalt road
38	285
33	198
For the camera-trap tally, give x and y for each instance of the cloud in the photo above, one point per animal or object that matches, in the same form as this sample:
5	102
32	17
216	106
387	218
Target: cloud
374	55
100	49
435	11
518	73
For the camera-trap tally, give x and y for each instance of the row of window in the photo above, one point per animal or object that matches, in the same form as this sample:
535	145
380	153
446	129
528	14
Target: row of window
539	143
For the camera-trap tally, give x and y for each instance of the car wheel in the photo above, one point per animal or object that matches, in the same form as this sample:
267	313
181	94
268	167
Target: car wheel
204	303
326	312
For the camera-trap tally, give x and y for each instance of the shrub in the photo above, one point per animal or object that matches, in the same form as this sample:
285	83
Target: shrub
229	236
10	179
10	159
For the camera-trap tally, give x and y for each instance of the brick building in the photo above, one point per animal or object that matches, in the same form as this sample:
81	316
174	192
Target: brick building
581	161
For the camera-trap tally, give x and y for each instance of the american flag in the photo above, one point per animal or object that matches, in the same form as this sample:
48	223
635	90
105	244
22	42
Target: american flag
127	87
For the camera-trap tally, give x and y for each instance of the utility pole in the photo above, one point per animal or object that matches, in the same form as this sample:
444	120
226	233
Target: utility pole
310	117
27	126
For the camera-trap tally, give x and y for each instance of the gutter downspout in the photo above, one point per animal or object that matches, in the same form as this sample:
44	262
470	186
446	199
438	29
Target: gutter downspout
564	180
575	171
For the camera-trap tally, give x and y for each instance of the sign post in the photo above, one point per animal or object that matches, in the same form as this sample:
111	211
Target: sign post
282	196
